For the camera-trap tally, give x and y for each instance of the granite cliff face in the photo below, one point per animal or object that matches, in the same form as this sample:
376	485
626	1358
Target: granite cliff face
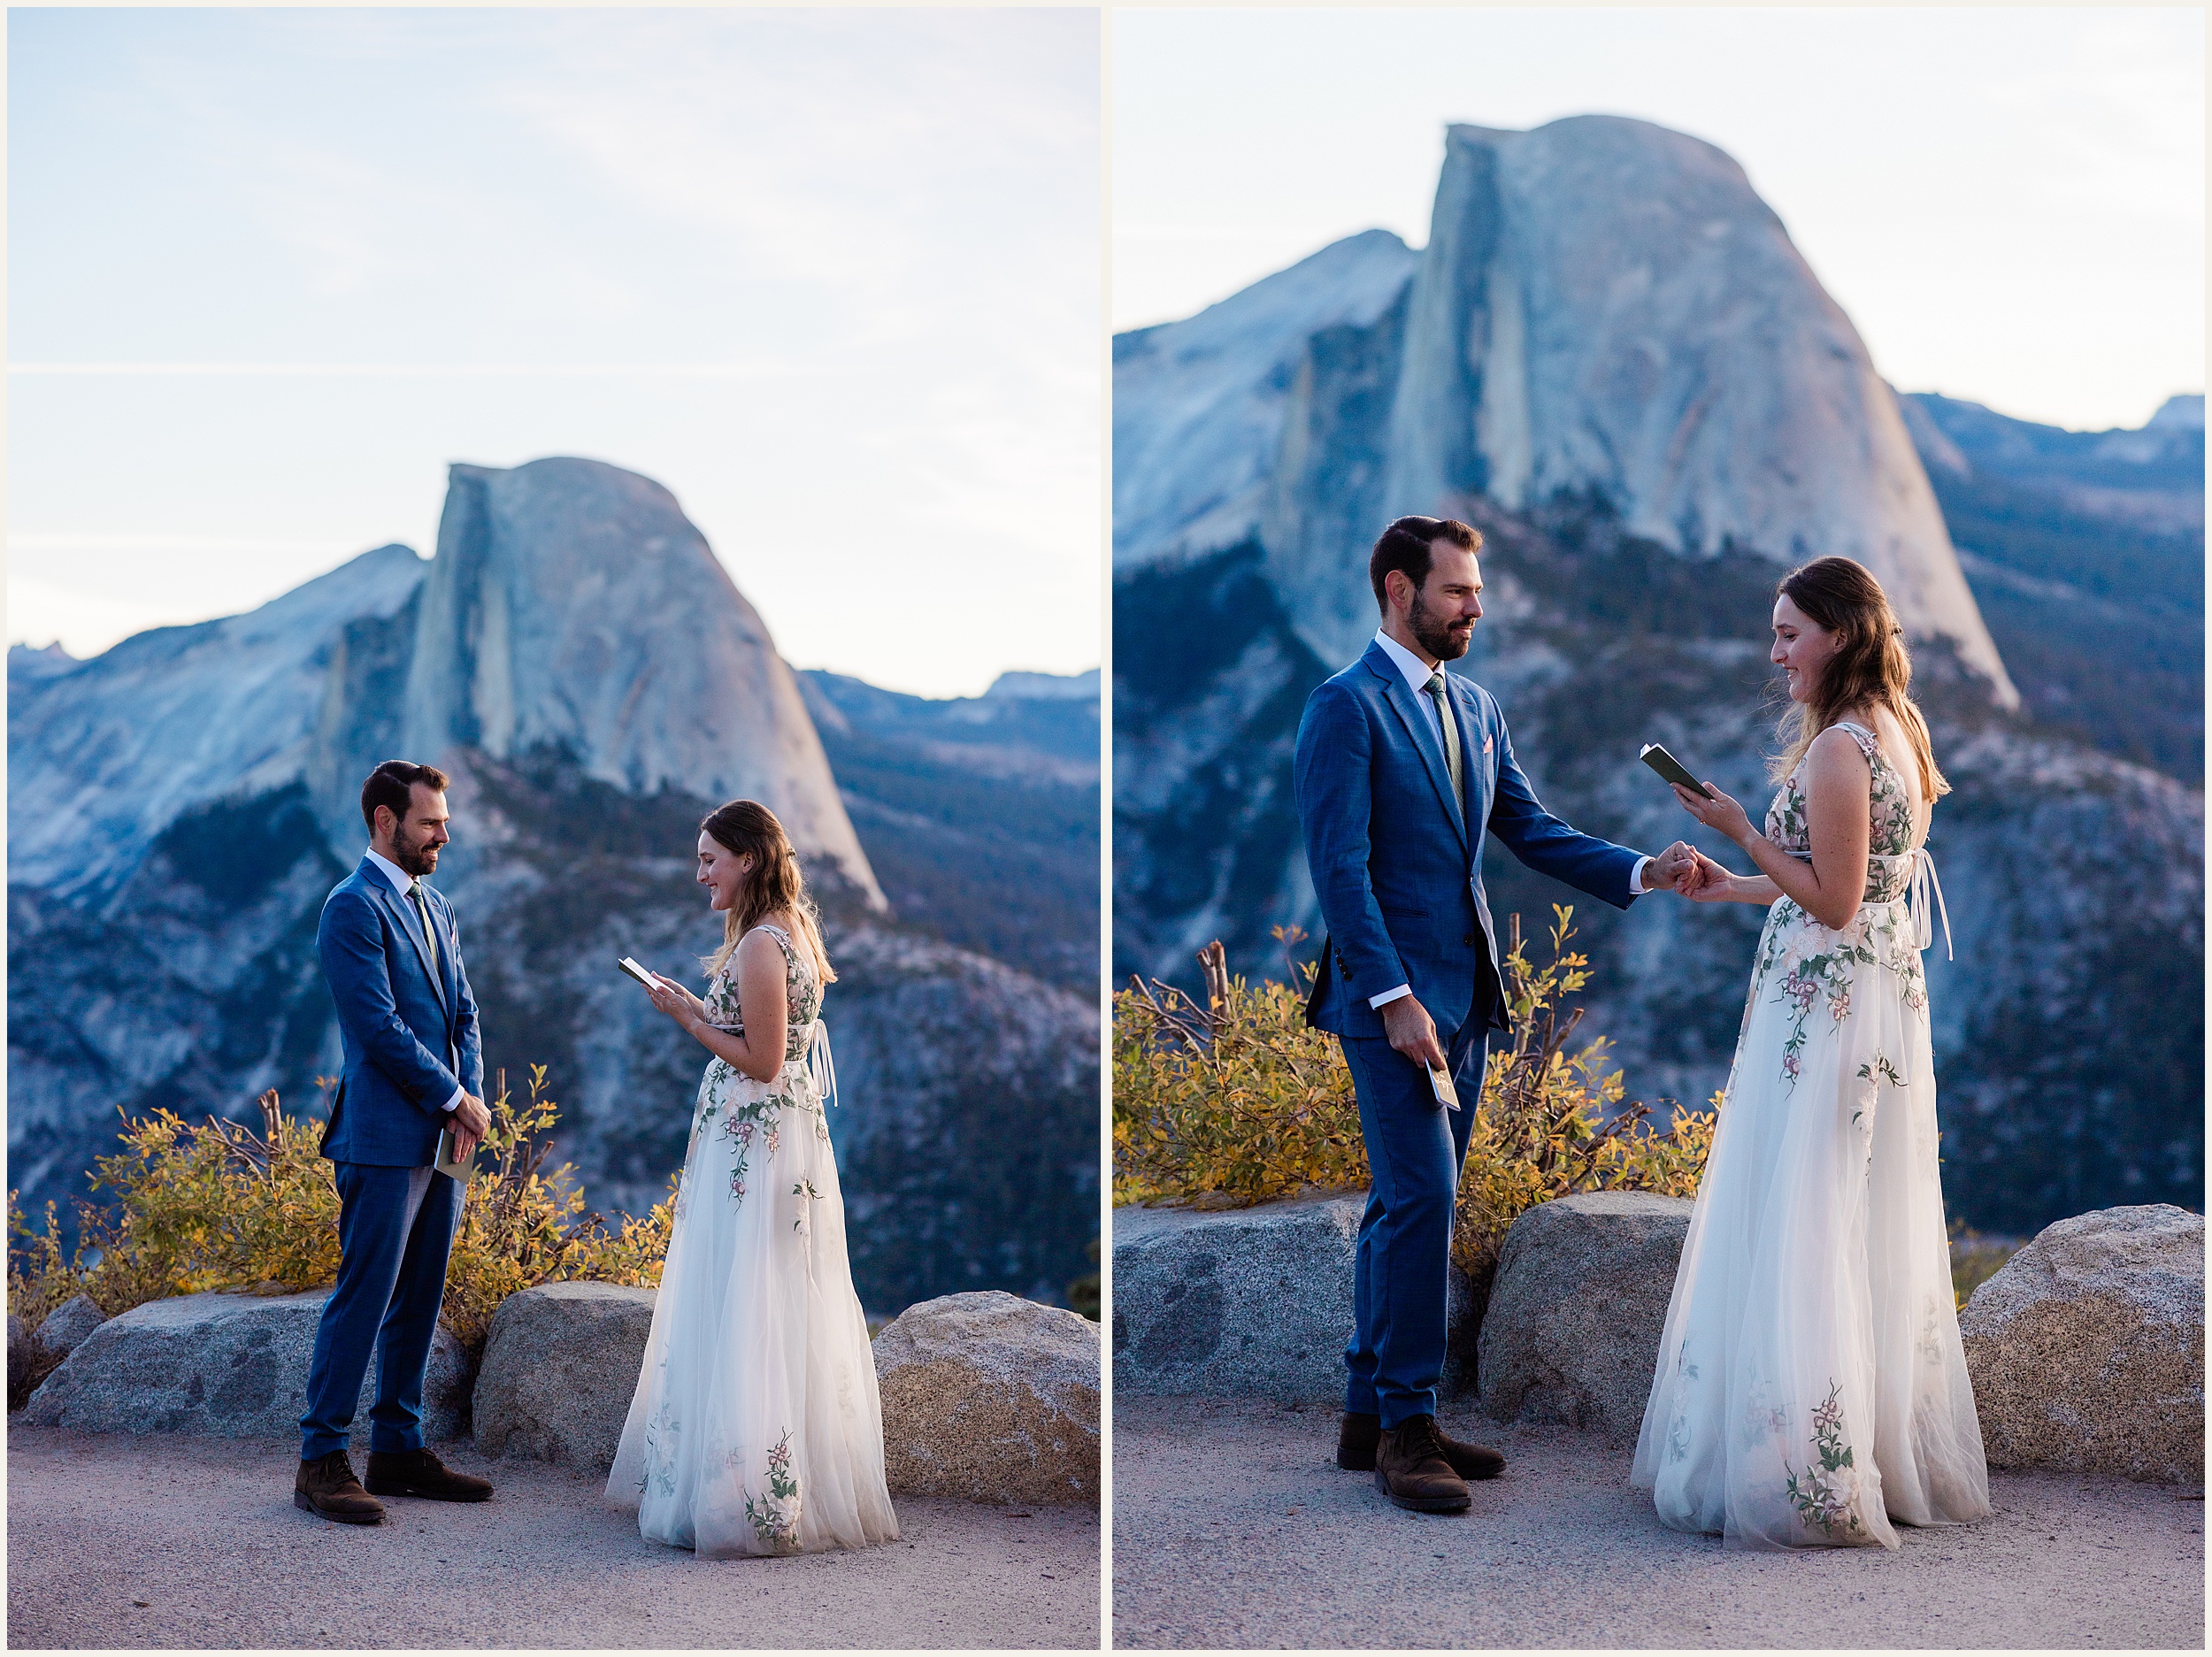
1611	361
580	664
1605	308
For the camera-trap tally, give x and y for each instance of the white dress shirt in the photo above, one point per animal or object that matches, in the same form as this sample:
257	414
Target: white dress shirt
1417	676
402	883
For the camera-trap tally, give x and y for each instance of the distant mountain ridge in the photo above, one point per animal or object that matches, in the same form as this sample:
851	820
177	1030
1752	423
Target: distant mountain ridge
579	662
1610	360
979	813
2085	551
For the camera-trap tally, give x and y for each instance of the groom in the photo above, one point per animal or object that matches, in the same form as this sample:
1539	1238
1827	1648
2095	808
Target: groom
414	1066
1401	769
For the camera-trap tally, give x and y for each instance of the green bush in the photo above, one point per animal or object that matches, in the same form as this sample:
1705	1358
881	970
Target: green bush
218	1205
1238	1102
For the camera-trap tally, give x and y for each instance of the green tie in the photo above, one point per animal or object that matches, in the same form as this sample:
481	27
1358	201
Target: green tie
422	909
1435	688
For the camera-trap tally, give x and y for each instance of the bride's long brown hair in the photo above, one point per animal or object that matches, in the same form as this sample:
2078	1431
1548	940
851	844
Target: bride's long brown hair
747	826
1870	666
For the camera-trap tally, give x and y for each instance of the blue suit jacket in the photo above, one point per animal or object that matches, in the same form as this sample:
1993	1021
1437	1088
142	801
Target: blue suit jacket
410	1035
1397	862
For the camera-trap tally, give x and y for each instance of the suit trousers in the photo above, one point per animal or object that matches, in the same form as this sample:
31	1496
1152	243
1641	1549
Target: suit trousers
394	1229
1415	1148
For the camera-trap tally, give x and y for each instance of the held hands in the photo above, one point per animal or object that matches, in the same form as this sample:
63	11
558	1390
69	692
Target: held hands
1683	868
1412	1032
1670	867
1707	882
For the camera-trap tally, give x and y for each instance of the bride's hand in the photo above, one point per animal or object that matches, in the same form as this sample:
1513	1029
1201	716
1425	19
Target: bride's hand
1708	882
1719	812
677	1001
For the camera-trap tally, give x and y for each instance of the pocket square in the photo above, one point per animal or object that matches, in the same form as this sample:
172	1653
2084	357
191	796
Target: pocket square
1486	745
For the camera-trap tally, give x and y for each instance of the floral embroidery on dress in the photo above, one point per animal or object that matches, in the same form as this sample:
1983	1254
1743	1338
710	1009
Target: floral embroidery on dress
775	1517
660	1461
805	1191
1762	1418
748	1120
1678	1424
1928	1344
1816	964
1824	1495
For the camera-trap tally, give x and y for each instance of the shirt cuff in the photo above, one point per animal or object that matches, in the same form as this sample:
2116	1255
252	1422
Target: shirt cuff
454	1103
1376	1001
1636	886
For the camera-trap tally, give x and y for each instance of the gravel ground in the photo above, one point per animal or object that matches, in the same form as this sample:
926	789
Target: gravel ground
1233	1527
127	1542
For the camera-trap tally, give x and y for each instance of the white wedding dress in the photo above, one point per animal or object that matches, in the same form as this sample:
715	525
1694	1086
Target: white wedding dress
756	1428
1811	1387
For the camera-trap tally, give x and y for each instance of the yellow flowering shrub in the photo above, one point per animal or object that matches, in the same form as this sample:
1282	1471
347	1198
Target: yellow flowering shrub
1238	1102
218	1205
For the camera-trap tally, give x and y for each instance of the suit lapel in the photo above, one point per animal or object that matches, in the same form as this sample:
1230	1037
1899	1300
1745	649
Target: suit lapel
1400	695
404	912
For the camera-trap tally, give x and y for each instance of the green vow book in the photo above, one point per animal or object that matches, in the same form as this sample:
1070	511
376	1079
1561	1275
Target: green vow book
457	1168
1672	770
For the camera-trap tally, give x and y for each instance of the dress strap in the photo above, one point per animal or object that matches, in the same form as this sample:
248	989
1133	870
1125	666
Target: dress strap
820	1065
1869	743
1925	880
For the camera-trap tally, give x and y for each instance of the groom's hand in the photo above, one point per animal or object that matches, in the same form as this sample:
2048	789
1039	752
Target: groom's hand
1675	869
1412	1032
470	1121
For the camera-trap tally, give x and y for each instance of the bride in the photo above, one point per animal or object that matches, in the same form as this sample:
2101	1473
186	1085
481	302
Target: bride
1811	1387
756	1428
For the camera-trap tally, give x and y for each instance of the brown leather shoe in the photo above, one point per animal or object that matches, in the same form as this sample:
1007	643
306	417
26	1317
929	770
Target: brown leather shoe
1355	1449
419	1473
1411	1470
327	1485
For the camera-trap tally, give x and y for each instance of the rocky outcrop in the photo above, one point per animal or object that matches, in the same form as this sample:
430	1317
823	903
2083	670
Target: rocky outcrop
1578	1308
1253	1301
1243	1301
990	1397
62	1329
560	1368
2087	1348
223	1366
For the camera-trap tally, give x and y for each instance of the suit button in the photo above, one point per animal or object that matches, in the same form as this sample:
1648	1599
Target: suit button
1469	941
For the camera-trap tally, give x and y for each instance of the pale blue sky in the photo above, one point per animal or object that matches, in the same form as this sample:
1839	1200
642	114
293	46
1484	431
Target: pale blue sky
2009	202
832	277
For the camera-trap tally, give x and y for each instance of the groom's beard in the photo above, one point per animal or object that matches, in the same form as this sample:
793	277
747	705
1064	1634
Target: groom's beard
413	856
1434	632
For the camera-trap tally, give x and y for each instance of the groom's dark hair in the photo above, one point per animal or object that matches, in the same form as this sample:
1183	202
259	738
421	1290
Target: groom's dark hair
393	784
1405	546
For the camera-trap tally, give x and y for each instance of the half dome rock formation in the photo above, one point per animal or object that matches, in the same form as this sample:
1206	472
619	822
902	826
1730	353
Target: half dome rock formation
572	605
1606	309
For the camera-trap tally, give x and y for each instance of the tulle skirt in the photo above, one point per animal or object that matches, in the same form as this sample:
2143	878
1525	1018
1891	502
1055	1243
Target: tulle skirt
1811	1387
756	1428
